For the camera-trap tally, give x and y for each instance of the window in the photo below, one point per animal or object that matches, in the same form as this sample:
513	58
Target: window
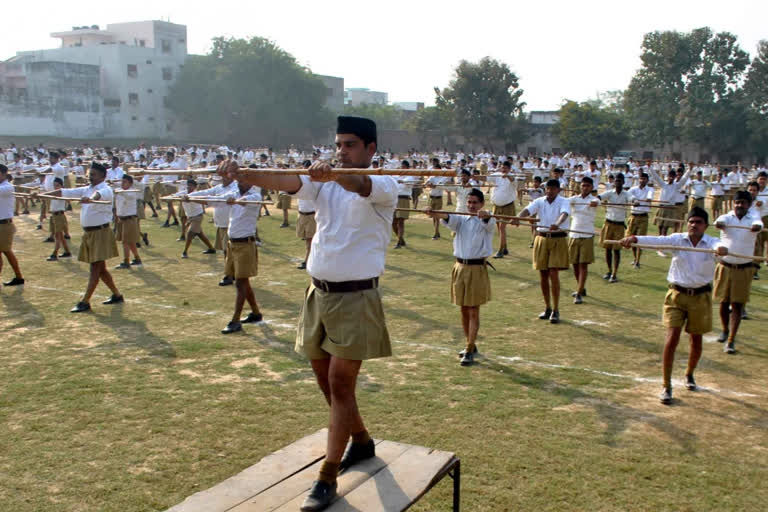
182	41
329	91
166	103
133	98
111	103
169	126
149	62
149	91
134	118
167	73
165	46
150	119
133	71
647	155
142	43
532	150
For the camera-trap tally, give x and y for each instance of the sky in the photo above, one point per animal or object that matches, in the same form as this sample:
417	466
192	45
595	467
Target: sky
559	49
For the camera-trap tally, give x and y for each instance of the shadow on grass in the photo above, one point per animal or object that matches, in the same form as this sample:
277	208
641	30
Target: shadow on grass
153	279
617	418
21	312
424	325
132	334
73	266
620	310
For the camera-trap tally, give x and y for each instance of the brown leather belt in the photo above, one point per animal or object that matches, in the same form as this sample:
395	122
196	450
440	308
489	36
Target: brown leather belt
95	228
735	265
552	234
475	261
692	291
346	286
243	240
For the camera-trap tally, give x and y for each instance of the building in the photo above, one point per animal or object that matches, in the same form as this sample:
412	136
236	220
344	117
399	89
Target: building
99	83
334	85
409	106
359	95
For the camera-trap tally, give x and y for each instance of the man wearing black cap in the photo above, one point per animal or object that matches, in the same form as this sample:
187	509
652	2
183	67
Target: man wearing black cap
353	215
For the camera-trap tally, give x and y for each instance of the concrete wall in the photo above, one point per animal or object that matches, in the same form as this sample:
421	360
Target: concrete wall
335	86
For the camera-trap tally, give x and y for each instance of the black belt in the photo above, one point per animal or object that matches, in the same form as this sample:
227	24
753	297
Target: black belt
403	197
692	291
552	234
504	205
95	228
615	222
127	217
6	221
306	213
57	213
640	214
346	286
475	261
243	239
735	265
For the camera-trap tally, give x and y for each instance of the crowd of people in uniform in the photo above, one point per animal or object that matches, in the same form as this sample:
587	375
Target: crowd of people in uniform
347	221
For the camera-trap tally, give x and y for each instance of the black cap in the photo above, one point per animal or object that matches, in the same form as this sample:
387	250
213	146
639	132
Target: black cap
98	167
360	126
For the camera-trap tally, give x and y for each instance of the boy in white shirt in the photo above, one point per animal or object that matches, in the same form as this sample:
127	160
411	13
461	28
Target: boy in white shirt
194	226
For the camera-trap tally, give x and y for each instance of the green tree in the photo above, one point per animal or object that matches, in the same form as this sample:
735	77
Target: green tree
387	117
589	129
484	102
250	91
430	119
756	102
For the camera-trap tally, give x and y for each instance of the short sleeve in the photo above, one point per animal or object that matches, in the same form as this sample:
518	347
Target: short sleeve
383	191
309	189
74	192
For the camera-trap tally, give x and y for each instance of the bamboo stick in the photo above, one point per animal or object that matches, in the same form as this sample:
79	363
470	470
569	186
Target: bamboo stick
211	200
568	230
621	205
122	191
463	213
76	199
687	249
355	172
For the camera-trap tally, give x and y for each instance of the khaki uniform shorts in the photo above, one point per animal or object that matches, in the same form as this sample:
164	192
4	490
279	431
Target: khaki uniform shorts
242	260
733	284
58	223
169	189
158	190
581	250
6	236
416	193
611	231
403	202
668	213
436	203
140	209
344	325
97	246
637	225
283	201
717	203
222	239
470	285
147	195
550	253
507	209
762	238
127	231
195	226
306	226
694	312
695	203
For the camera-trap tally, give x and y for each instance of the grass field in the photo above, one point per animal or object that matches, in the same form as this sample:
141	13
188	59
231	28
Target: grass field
135	407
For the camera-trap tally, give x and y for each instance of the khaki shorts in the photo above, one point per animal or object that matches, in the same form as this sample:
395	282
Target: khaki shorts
611	231
306	226
59	223
581	250
403	202
668	213
127	231
98	246
140	209
550	253
694	312
345	325
761	239
6	236
195	226
169	189
222	238
507	209
283	201
733	284
242	260
147	195
416	193
717	203
436	203
695	203
470	285
637	225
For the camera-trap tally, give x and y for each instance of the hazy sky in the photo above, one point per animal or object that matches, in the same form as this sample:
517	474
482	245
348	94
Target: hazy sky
559	49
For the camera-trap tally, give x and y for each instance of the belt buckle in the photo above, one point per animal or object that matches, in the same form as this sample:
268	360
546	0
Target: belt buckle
324	286
690	292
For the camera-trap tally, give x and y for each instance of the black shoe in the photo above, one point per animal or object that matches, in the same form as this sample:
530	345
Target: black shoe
583	292
39	227
756	277
25	212
397	245
302	265
607	276
690	384
209	251
464	351
357	452
284	225
226	281
554	317
499	254
546	314
16	281
467	359
114	299
723	337
252	318
138	245
136	263
182	238
67	237
175	223
613	279
48	240
154	215
52	257
744	313
729	348
122	266
506	251
184	256
666	396
80	307
165	225
232	327
66	255
577	299
436	237
320	496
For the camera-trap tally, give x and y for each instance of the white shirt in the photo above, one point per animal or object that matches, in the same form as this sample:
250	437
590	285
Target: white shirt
436	182
474	237
220	210
125	203
582	215
505	191
616	213
739	241
462	192
115	173
762	196
306	206
549	212
642	196
669	190
242	219
352	231
58	170
699	188
7	199
92	214
405	185
687	269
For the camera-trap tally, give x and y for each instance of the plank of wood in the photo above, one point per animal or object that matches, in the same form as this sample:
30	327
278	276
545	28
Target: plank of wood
289	494
269	471
397	486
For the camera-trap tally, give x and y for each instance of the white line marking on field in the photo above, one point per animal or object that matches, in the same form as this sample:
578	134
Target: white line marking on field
275	283
589	322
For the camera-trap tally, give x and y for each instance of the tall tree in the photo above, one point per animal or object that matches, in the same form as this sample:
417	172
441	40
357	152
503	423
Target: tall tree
756	101
249	91
589	129
484	101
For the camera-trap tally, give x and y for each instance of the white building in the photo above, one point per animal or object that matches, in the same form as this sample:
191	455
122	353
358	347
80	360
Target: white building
99	83
358	95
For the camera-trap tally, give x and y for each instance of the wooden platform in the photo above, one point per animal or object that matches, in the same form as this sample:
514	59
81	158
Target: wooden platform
394	480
